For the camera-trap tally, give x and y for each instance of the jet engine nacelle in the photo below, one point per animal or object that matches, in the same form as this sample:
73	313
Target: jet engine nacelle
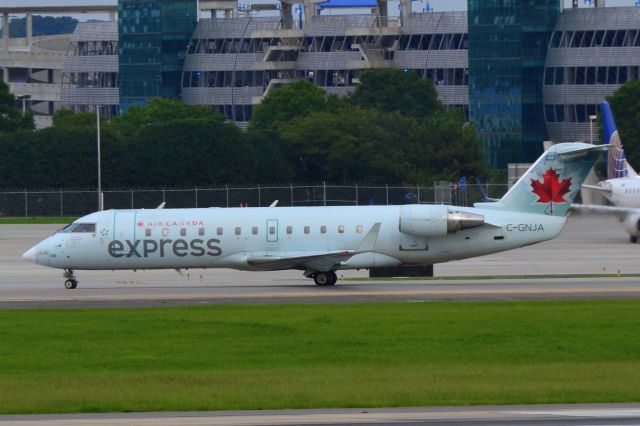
436	220
631	224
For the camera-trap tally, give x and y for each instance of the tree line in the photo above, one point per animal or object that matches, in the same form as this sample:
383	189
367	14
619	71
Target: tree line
392	130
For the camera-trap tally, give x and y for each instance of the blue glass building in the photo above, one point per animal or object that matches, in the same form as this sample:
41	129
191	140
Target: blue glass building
508	40
154	35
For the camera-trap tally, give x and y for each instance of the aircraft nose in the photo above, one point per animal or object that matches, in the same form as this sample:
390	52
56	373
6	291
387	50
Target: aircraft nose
30	255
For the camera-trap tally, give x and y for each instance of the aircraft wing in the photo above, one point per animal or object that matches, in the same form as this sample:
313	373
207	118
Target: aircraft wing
620	212
324	261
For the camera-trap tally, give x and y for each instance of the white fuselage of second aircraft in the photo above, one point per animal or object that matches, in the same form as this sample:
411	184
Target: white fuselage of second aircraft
622	192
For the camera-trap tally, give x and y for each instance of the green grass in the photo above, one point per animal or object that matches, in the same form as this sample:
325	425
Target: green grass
310	356
36	220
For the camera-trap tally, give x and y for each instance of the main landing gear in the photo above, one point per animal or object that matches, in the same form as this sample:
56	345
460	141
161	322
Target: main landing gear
324	279
71	281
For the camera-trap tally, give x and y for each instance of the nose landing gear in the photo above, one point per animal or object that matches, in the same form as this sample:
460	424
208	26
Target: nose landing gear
71	281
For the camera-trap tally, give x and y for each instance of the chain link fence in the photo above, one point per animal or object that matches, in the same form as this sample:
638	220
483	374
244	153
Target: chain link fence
79	203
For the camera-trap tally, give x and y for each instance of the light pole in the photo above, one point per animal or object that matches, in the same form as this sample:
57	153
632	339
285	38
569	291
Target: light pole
592	118
100	200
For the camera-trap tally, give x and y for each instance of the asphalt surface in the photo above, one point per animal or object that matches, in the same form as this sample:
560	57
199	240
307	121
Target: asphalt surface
588	246
582	414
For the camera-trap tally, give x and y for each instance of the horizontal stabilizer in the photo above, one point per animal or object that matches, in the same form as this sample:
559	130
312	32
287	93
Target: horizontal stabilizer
597	188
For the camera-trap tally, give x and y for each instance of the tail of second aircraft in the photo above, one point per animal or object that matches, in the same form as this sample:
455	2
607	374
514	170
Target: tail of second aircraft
617	165
552	182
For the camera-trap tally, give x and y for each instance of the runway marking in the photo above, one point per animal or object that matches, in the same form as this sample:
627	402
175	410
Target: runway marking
337	295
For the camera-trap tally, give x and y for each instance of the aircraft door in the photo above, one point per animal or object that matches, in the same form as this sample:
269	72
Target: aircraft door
272	230
124	225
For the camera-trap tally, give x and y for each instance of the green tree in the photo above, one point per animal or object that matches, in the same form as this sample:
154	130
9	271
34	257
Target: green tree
625	105
159	110
11	117
43	25
67	117
294	100
444	147
396	90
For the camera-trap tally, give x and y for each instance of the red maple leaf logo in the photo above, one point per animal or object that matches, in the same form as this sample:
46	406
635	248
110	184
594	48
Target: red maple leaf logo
551	189
140	224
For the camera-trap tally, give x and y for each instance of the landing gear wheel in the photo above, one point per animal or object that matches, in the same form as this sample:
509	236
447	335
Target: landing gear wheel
325	279
71	281
633	239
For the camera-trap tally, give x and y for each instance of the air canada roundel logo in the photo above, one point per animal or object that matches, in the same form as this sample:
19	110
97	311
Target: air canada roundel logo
551	189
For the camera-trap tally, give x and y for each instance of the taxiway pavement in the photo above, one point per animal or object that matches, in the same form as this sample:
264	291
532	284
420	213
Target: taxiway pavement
580	414
588	245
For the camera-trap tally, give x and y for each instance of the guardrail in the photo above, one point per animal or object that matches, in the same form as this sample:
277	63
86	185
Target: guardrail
78	203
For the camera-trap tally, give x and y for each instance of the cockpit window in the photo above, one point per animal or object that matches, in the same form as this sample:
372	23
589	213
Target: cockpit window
67	228
85	227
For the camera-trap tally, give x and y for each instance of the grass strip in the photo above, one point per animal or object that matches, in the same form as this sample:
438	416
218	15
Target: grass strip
310	356
36	220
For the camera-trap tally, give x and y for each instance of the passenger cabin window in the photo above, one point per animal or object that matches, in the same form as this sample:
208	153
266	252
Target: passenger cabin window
200	231
85	227
307	229
289	230
254	230
323	229
219	231
341	229
147	232
272	230
359	229
165	232
238	230
183	232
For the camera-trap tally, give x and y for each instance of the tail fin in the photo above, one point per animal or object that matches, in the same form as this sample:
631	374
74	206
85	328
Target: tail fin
553	181
617	165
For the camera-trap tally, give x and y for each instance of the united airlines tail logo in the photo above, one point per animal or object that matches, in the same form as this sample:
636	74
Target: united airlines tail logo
616	161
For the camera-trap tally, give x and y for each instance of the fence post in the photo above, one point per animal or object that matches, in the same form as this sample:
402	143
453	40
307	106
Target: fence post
61	209
356	194
131	189
26	203
324	193
387	186
227	188
164	195
196	197
418	194
259	197
291	189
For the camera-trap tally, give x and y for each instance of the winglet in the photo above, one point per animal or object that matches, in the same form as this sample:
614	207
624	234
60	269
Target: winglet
369	241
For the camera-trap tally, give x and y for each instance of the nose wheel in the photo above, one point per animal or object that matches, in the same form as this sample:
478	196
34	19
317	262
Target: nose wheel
71	281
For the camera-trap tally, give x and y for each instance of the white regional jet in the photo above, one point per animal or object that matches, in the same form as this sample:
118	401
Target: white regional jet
622	188
321	240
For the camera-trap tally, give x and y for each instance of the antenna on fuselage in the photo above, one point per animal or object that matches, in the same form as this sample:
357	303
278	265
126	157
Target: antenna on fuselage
161	206
275	203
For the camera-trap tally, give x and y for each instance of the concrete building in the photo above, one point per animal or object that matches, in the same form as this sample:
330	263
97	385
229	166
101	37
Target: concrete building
553	76
32	66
